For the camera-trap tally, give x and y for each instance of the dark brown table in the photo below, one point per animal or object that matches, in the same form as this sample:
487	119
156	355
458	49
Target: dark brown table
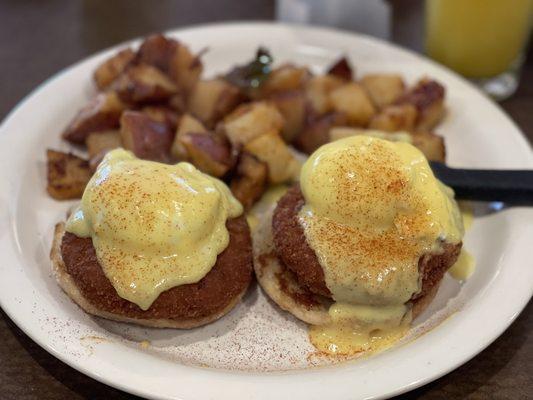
40	37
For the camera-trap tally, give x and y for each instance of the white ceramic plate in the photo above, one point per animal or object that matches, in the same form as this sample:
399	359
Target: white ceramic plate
257	351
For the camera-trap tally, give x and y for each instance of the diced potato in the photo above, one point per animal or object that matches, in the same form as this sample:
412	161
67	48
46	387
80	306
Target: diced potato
212	99
177	103
173	58
105	140
292	106
146	138
318	89
383	89
270	148
342	69
286	77
428	98
144	83
250	180
67	175
185	68
345	131
395	118
163	114
102	113
316	131
352	100
208	152
431	145
110	69
252	120
187	124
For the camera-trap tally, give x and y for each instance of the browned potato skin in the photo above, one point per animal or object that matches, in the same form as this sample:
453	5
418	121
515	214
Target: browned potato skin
102	113
67	175
292	106
144	83
317	92
431	145
353	101
284	78
271	149
212	99
342	69
163	114
208	152
146	138
428	98
105	140
316	131
173	58
395	118
383	89
110	69
250	180
186	124
251	120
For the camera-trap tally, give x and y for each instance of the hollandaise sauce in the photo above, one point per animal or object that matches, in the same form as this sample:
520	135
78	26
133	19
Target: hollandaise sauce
372	208
154	226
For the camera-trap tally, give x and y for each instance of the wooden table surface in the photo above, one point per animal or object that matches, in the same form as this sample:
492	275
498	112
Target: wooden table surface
38	38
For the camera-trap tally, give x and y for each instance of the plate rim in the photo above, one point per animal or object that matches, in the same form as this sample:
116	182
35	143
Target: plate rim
78	365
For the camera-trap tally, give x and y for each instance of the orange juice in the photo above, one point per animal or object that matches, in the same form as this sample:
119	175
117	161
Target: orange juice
477	38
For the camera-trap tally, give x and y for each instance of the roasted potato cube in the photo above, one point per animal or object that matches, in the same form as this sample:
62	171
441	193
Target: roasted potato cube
173	58
292	106
102	113
105	140
110	69
383	89
352	100
177	103
250	180
187	124
271	149
144	83
430	144
67	175
252	120
163	114
395	118
208	152
341	69
286	77
318	89
146	138
428	98
316	131
212	99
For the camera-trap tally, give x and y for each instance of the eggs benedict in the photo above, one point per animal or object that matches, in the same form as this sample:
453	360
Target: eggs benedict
154	244
359	247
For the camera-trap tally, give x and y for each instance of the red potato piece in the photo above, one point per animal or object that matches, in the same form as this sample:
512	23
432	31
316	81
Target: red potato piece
146	138
144	83
353	101
286	77
173	58
213	99
110	69
428	98
105	140
317	92
394	118
208	152
187	124
102	113
250	179
163	114
292	106
342	69
67	175
383	89
316	131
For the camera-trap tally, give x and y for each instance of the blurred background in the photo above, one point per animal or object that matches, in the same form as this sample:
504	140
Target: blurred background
483	40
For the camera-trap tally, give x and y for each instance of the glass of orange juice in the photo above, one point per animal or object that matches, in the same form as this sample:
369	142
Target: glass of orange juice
484	40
